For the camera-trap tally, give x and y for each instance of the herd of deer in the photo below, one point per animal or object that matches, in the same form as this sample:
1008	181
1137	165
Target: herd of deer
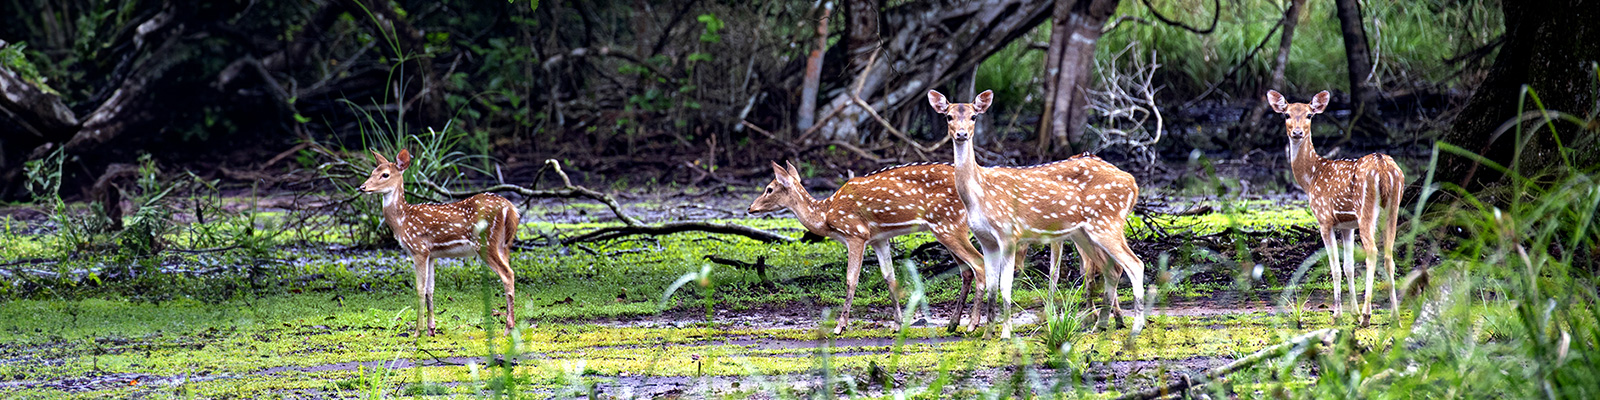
1082	199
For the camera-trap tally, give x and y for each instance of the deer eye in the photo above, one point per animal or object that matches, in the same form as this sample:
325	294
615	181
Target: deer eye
386	175
769	189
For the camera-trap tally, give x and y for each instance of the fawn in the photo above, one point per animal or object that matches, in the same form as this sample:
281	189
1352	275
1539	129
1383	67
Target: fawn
1083	199
483	225
1346	196
870	210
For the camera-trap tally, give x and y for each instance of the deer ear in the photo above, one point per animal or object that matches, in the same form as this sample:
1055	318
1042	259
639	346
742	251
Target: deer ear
1278	103
793	173
981	104
779	175
404	159
1319	102
940	105
380	158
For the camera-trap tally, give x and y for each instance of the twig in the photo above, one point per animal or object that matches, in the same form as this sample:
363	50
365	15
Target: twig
1216	11
855	95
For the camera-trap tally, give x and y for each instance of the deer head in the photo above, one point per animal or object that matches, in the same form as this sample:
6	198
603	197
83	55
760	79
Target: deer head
963	117
1299	122
785	190
387	176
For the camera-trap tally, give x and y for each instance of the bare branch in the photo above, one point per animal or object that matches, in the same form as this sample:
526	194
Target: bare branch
1128	103
1216	8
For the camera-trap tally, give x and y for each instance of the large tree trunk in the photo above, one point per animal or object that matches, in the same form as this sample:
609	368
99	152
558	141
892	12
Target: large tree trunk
813	78
863	31
1069	64
1291	18
1358	57
1549	46
931	43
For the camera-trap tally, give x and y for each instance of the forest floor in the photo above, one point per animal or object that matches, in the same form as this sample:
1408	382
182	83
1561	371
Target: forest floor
303	317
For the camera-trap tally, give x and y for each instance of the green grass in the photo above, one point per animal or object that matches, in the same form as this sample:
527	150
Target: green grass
353	307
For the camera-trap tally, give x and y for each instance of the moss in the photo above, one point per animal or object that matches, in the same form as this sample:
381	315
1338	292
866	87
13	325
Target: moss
299	320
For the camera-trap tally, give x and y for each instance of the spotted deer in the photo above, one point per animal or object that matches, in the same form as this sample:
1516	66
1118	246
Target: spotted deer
483	225
1346	196
868	211
1081	199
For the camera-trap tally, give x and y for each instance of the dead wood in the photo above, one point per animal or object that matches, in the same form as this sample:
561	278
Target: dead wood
760	266
631	226
668	228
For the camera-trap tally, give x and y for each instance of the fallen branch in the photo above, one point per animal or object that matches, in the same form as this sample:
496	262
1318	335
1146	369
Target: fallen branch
1297	345
615	232
631	226
760	266
567	191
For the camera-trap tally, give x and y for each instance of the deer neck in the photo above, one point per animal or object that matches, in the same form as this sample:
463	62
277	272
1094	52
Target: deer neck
394	208
969	180
1303	161
811	212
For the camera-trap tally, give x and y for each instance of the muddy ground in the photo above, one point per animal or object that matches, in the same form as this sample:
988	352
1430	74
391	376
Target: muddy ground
346	312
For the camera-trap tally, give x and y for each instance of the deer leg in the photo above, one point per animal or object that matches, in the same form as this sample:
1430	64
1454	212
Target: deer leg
1349	260
419	264
1008	273
1369	244
1087	270
1117	247
885	250
966	289
1388	252
432	327
962	249
1330	243
1055	268
855	250
500	262
993	263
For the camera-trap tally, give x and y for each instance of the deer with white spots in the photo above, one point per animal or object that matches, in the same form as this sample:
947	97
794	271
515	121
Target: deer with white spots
483	225
1346	197
1082	199
870	210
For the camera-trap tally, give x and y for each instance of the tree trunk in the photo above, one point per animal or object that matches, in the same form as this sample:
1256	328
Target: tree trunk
863	30
1549	46
1358	58
1291	18
931	43
1070	64
808	89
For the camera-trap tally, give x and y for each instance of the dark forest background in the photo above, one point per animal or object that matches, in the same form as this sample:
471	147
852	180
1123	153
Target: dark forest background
709	91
